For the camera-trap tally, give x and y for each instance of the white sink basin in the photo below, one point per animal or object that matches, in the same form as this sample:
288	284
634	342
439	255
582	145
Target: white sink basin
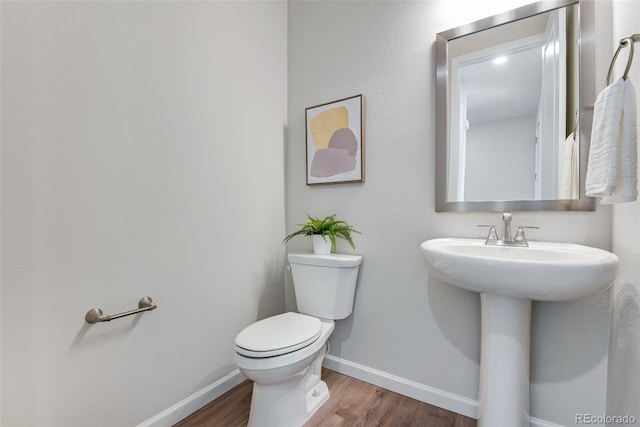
542	271
508	278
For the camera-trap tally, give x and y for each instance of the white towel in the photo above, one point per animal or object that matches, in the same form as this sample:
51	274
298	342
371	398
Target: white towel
611	173
569	172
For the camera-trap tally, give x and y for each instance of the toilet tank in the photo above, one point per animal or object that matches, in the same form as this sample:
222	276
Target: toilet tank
325	285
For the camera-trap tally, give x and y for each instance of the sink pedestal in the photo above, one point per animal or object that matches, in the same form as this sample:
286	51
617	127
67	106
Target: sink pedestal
504	361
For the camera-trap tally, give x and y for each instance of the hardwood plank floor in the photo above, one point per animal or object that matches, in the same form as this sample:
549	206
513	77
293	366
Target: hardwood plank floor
353	403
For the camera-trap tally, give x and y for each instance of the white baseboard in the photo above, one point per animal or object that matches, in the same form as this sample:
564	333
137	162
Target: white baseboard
537	422
196	401
433	396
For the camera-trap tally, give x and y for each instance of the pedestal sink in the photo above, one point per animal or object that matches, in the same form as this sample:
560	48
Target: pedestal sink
508	279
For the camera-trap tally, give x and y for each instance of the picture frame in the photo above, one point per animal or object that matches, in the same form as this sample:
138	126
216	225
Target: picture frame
335	142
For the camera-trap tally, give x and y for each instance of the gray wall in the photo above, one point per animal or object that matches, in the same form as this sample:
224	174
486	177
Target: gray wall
406	323
503	167
142	154
623	393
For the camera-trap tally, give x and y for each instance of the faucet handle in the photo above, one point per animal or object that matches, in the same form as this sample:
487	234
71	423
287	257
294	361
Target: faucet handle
493	234
520	237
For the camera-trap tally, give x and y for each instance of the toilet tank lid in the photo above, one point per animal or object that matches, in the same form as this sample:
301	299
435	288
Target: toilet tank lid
331	260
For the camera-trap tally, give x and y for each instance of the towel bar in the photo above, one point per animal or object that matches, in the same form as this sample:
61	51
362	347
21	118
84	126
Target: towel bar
627	41
95	314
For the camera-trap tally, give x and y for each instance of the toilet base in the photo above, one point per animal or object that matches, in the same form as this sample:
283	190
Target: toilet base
286	405
291	402
316	398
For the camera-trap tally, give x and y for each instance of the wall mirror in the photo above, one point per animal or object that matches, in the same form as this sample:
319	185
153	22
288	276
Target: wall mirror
515	97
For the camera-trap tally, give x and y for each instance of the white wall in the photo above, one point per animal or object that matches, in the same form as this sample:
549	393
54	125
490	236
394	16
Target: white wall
501	168
142	154
406	323
623	394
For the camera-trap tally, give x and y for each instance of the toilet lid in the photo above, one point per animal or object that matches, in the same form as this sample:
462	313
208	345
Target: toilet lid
278	335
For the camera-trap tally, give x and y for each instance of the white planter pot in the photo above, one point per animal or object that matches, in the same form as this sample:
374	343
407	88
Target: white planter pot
320	245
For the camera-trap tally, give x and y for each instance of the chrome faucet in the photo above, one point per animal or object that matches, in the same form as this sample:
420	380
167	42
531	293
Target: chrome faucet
507	239
506	228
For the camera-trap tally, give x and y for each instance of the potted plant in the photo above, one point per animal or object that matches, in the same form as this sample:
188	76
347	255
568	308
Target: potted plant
324	232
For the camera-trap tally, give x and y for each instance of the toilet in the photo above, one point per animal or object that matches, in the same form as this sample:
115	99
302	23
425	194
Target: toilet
283	354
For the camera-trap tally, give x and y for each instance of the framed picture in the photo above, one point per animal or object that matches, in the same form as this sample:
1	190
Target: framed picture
335	144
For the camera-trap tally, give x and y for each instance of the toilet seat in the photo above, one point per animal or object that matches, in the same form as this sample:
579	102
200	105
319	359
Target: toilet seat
278	335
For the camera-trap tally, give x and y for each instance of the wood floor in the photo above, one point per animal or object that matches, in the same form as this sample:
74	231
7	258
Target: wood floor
353	403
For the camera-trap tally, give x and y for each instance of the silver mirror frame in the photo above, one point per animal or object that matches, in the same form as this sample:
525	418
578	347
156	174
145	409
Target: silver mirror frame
586	40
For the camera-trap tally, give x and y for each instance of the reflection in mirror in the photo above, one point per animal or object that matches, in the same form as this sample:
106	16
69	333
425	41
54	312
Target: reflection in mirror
505	102
510	88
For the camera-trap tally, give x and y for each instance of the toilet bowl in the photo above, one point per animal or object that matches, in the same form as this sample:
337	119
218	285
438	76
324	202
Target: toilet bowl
287	388
283	354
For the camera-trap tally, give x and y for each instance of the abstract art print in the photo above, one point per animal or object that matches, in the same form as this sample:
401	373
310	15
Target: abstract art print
335	143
